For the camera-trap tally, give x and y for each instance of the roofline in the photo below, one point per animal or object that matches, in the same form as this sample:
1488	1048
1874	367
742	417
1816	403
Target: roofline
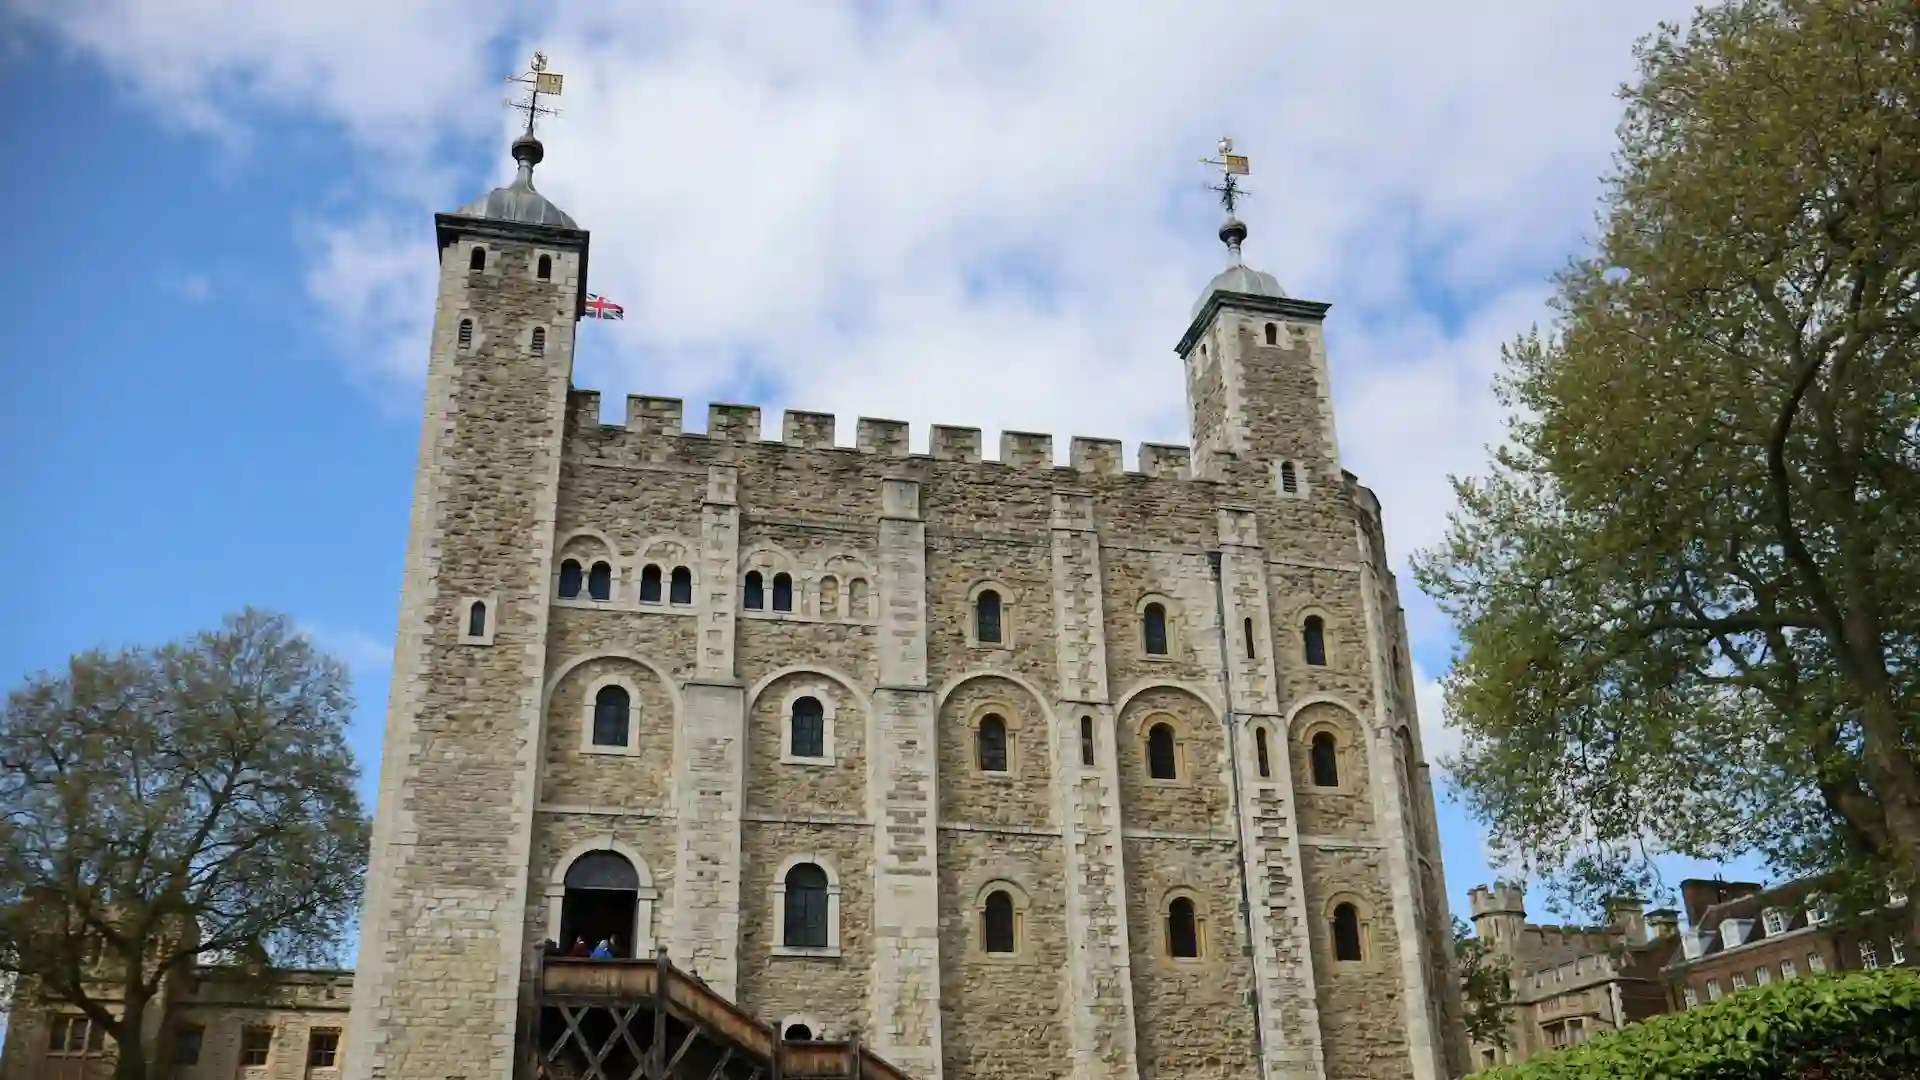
1287	306
450	227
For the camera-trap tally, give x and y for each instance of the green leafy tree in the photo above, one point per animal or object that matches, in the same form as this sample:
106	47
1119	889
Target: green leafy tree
1485	993
1689	590
157	805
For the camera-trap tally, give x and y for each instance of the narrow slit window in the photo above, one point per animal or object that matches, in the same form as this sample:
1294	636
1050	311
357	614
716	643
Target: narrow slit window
829	597
1326	760
544	271
612	713
857	598
1153	629
466	333
570	577
682	586
477	619
477	260
1260	752
753	595
782	592
1086	741
539	340
1289	478
1346	934
996	923
1183	929
986	617
650	585
1246	635
1273	334
600	581
1313	634
809	738
992	739
1162	758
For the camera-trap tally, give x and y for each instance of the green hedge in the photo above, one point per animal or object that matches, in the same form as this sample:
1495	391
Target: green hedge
1860	1026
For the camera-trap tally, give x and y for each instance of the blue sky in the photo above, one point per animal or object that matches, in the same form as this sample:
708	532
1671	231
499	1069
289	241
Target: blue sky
220	261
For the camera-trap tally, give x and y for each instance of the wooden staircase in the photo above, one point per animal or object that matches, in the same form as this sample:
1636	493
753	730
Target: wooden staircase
648	1020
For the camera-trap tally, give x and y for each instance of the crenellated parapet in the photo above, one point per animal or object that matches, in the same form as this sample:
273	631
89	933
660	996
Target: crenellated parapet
654	417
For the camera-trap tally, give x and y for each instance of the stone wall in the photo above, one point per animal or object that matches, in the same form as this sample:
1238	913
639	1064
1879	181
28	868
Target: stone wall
888	554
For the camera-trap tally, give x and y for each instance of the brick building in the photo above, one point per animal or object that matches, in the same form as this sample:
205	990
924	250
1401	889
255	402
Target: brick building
1742	934
1569	983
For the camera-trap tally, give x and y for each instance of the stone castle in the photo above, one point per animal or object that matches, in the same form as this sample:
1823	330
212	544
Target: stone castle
997	768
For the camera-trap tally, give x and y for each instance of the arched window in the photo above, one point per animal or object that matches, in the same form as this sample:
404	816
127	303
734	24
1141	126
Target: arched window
1326	760
1314	633
1246	634
996	923
1346	933
600	581
797	1033
809	735
1289	478
477	619
782	592
753	596
829	597
650	585
1162	761
1153	629
478	260
612	713
805	919
569	579
601	901
1260	751
682	586
1183	929
1273	334
992	743
986	617
539	340
1086	741
544	271
466	333
857	598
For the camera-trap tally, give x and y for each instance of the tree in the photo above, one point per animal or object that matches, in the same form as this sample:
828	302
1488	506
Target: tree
1485	993
157	805
1689	590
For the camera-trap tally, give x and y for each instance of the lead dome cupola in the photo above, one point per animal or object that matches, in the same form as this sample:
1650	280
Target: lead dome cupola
1238	277
518	201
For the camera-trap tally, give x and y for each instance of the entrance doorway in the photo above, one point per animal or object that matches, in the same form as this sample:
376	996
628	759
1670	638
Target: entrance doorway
601	902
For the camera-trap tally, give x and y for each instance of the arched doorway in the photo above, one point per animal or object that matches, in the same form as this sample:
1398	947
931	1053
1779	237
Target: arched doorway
601	900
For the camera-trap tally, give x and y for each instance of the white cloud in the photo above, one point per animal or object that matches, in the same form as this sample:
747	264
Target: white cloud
366	656
986	214
1439	738
193	288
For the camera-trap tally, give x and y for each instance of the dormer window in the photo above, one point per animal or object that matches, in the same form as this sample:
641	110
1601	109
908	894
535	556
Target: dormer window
1734	931
1818	913
1774	921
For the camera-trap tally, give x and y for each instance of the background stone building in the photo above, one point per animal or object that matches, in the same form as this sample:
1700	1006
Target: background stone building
1009	769
225	1023
1569	983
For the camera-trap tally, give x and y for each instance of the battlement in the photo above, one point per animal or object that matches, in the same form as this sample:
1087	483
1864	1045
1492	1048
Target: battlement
1501	898
653	416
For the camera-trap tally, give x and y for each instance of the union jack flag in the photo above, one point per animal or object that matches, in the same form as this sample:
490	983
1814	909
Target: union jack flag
599	307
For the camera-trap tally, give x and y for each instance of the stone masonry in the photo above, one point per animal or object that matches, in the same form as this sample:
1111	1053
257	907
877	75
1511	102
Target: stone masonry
735	581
